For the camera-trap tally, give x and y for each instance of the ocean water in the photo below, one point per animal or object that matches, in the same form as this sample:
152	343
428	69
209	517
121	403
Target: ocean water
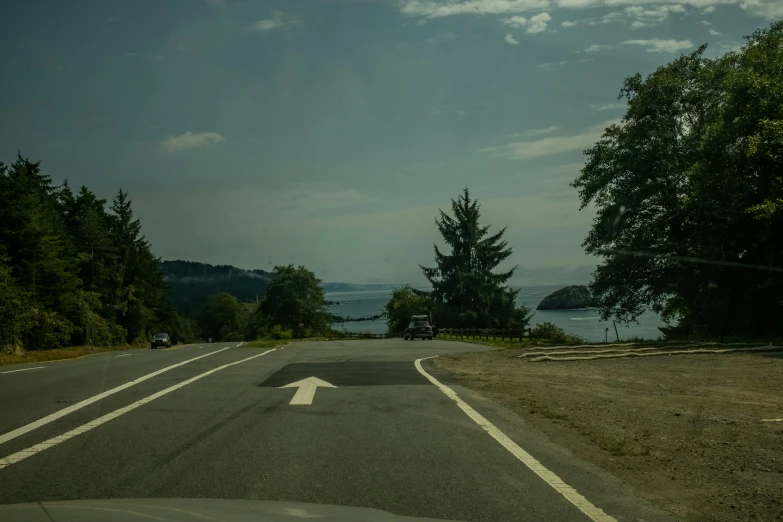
585	323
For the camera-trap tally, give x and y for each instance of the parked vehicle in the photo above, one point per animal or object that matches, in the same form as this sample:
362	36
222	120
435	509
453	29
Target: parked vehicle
161	339
419	327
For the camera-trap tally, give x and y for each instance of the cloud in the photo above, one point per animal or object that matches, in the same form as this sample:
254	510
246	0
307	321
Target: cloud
550	145
190	140
276	21
511	40
441	37
440	8
713	32
535	132
551	65
568	24
592	49
657	45
640	13
705	22
769	9
607	106
649	15
534	24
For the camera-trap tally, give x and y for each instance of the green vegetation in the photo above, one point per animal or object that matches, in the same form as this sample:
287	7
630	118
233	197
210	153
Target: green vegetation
404	303
552	333
466	293
192	283
73	272
264	343
294	296
689	195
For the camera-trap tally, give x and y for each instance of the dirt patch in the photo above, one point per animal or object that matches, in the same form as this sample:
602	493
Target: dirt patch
685	431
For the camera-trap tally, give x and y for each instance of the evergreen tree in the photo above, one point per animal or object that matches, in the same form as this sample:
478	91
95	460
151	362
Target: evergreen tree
465	290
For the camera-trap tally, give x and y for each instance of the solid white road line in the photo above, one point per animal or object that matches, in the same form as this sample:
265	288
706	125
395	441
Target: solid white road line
25	369
21	455
585	506
5	437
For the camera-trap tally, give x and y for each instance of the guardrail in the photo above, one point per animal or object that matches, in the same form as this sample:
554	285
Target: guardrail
448	333
355	335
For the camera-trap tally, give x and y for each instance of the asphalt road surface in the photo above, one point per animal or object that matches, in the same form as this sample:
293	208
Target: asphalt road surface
215	421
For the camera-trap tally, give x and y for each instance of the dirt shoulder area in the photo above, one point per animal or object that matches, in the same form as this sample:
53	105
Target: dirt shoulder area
686	432
59	354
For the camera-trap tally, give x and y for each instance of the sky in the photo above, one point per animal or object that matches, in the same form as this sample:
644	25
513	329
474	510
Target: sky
329	133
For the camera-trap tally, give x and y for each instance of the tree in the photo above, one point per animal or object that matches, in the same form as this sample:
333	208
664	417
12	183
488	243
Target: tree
688	194
465	290
140	297
15	312
404	303
220	318
295	295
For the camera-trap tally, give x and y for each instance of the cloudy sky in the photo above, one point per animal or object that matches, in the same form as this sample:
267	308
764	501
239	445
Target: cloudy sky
329	132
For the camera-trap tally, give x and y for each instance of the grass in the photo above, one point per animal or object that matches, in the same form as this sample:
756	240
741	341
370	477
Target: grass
56	354
266	343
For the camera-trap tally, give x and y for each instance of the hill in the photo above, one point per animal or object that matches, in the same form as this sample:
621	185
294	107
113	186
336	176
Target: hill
191	283
568	298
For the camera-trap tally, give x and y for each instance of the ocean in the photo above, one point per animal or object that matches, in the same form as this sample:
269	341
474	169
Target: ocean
585	323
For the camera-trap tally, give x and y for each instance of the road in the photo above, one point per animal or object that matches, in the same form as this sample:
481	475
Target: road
214	421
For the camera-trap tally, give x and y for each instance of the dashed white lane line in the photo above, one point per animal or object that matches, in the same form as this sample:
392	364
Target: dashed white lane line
125	355
5	437
24	369
21	455
585	506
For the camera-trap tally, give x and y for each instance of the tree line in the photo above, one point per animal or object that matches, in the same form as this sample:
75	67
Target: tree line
294	297
73	272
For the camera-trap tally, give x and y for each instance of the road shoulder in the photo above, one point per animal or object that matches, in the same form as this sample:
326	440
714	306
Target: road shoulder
601	488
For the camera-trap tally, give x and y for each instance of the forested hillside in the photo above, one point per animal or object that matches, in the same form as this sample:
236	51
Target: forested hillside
191	283
72	271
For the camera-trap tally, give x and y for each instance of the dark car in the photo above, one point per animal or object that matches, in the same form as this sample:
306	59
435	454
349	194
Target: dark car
419	327
161	339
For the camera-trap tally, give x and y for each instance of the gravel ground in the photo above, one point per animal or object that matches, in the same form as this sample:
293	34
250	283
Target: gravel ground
685	431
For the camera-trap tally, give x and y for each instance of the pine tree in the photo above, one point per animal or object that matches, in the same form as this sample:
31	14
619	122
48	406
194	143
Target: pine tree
466	291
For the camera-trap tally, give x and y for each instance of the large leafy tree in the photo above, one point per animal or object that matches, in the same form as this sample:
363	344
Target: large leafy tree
688	194
465	290
220	319
404	303
295	295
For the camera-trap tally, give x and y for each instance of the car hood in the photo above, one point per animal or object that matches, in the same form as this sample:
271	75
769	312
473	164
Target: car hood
192	510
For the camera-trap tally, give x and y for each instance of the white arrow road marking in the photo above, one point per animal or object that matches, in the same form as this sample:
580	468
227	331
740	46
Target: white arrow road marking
306	392
5	437
21	455
25	369
585	506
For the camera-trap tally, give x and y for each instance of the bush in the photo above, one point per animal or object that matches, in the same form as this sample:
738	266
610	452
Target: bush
280	332
552	332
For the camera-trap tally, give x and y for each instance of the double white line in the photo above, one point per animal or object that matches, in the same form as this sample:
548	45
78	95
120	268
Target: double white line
21	455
